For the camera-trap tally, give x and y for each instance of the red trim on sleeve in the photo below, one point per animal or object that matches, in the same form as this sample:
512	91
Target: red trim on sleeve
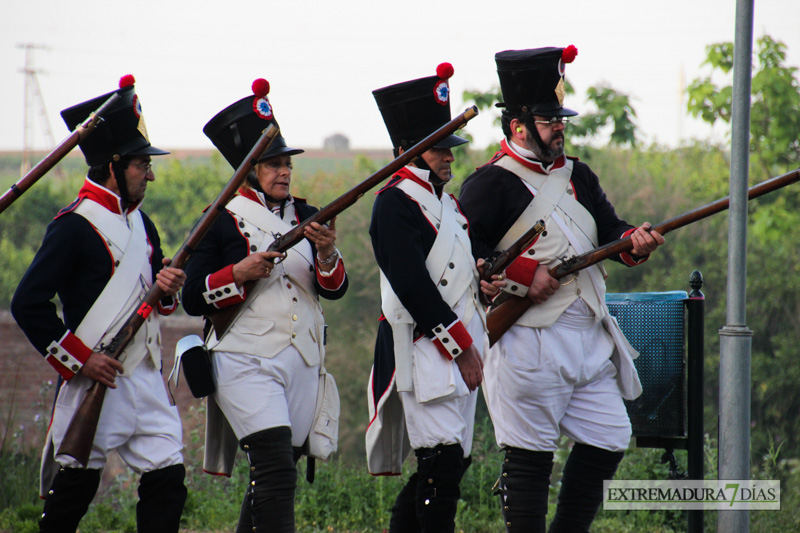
458	332
63	371
522	269
219	279
75	347
165	310
335	277
626	257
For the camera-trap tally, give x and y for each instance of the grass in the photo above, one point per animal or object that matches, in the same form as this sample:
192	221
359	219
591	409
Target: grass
344	498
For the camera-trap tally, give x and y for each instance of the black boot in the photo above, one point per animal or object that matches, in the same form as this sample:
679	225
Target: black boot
404	511
68	499
161	498
582	487
523	486
269	502
440	470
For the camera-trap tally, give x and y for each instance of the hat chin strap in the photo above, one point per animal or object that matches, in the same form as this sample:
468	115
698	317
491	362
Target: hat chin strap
122	183
541	148
252	181
434	178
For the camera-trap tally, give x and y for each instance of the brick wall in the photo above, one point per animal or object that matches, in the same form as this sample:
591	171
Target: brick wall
27	382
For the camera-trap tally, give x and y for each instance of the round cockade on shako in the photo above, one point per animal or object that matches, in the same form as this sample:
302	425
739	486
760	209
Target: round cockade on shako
568	55
441	90
261	105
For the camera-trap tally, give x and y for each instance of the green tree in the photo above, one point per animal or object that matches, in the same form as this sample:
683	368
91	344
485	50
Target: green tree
775	102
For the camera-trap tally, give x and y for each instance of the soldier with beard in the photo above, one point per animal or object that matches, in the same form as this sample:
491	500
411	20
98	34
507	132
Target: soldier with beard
564	367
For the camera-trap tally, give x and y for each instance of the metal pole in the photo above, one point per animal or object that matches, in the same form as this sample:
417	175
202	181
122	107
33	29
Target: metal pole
735	337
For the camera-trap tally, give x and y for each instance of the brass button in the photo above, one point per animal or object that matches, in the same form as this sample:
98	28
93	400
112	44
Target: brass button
294	317
294	335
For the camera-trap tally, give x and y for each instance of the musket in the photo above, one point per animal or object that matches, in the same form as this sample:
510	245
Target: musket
507	256
59	152
501	317
80	434
223	319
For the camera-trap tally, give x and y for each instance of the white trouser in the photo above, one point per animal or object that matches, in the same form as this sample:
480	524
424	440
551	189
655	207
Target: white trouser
137	421
542	382
449	421
257	393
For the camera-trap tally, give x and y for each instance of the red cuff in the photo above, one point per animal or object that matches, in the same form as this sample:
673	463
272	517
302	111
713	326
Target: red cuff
222	290
452	341
332	280
519	274
626	257
165	310
68	355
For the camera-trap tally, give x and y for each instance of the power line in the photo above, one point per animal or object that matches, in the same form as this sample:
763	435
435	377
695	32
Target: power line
33	98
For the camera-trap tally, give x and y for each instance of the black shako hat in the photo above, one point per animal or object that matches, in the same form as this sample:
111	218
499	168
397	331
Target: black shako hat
121	132
533	80
414	109
237	128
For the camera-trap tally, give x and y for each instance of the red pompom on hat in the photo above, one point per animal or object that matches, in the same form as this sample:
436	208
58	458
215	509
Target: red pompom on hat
126	81
260	87
569	54
445	71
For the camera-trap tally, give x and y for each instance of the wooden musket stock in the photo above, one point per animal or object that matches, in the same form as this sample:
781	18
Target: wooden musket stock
80	434
508	255
501	317
60	151
223	319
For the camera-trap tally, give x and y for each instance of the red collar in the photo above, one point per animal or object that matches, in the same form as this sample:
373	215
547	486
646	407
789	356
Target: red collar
99	194
407	174
532	164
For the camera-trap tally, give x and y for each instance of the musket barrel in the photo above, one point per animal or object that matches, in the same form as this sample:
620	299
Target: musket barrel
76	137
224	318
501	317
82	428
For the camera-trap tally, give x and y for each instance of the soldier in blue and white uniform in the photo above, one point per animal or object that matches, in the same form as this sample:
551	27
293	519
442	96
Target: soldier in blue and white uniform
564	367
101	255
267	365
428	364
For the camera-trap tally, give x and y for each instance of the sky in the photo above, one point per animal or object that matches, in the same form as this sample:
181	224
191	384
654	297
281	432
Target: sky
323	59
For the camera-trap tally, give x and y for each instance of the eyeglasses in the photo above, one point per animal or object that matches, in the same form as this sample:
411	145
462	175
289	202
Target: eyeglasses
552	121
147	167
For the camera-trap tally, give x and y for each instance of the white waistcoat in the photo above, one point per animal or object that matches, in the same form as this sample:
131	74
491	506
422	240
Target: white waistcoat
284	308
555	245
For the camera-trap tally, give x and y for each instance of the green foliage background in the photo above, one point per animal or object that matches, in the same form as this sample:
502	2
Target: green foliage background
644	183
